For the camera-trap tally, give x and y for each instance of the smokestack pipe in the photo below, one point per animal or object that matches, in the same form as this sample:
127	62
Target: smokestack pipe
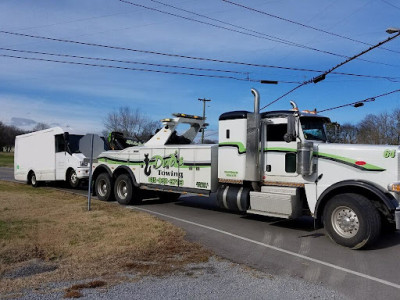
256	101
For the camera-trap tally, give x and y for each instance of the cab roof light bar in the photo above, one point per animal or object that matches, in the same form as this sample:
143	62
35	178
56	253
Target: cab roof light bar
180	115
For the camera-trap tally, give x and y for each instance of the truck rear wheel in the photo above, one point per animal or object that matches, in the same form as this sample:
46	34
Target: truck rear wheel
351	220
124	192
103	187
33	180
73	179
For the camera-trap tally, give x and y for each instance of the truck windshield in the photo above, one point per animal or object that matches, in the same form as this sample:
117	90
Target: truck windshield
313	128
73	143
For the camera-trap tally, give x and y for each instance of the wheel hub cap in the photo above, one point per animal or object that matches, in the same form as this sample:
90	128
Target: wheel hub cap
345	222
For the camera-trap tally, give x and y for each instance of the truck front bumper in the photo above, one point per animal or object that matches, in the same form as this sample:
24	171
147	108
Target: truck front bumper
82	172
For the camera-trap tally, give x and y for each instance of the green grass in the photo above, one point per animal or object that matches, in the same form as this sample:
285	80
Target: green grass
7	159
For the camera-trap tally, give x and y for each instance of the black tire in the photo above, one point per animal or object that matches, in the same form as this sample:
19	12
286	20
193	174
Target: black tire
73	179
388	227
168	197
103	187
351	220
124	192
33	180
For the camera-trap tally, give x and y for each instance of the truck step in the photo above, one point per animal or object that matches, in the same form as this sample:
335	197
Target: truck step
283	202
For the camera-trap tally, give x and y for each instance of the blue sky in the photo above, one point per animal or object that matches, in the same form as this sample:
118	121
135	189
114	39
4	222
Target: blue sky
81	96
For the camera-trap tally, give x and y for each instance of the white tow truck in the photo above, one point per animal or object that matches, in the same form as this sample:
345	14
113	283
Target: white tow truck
49	155
276	163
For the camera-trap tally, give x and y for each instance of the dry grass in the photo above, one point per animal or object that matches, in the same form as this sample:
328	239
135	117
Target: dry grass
56	228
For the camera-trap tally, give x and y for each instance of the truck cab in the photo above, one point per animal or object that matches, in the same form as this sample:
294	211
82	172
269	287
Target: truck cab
279	164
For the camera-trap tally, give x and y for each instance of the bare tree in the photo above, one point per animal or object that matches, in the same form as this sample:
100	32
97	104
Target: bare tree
132	123
40	126
7	136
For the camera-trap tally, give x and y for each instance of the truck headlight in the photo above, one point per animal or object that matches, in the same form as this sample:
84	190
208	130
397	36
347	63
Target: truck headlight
394	187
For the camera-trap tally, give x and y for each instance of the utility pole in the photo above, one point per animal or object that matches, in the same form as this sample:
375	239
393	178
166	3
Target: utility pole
204	116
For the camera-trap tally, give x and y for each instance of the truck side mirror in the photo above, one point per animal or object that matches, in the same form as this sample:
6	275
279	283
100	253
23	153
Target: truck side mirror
66	136
66	139
290	135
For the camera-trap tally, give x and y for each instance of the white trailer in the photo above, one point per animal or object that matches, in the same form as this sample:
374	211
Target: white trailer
275	163
49	155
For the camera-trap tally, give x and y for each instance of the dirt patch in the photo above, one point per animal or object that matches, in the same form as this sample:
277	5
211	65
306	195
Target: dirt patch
75	290
29	268
55	230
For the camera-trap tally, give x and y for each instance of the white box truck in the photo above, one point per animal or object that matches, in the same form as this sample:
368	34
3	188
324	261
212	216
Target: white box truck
49	155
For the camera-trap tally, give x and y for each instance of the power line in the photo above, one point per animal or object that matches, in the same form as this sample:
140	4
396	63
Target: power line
123	68
189	57
370	99
270	37
303	25
266	37
392	5
323	75
120	61
136	69
263	36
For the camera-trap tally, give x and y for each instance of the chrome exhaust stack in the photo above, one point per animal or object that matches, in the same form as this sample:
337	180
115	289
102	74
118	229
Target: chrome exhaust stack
253	141
256	101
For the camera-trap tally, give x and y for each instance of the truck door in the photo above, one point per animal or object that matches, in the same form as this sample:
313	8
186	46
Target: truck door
61	156
279	156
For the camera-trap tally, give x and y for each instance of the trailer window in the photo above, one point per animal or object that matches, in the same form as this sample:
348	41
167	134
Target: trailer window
60	143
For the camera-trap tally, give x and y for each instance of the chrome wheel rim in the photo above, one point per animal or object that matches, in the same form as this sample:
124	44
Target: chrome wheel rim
74	178
345	222
122	189
102	187
33	179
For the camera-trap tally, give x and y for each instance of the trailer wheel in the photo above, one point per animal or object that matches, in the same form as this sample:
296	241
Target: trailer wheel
351	220
73	179
124	192
103	187
33	180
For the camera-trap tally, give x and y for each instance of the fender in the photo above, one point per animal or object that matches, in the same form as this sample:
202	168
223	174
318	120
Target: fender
386	198
126	169
100	168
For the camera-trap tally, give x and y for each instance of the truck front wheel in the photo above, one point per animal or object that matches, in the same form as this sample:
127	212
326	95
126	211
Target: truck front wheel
351	220
73	179
124	192
103	187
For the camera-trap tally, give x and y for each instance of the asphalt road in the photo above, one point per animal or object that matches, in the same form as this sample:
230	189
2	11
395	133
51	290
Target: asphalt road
283	247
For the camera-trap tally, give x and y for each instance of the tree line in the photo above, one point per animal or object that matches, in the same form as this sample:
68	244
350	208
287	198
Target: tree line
8	134
378	129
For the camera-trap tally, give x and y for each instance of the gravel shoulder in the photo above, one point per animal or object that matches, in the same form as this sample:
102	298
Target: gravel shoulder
216	279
